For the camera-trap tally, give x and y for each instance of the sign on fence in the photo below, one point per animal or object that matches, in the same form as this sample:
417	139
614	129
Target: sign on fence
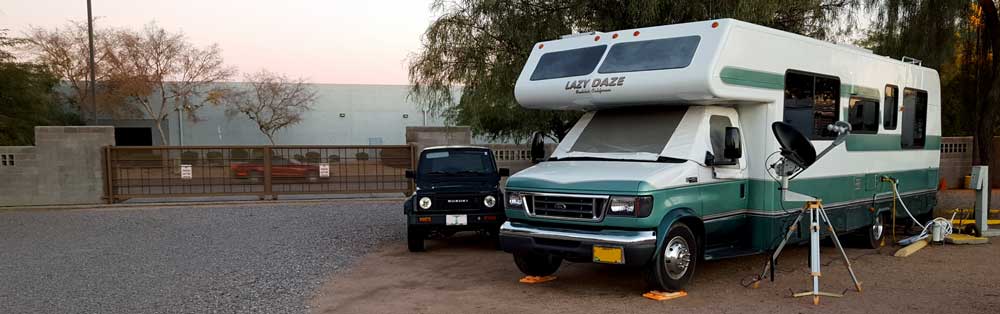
186	172
324	170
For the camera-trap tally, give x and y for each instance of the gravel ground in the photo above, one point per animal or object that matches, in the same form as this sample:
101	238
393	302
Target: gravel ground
465	275
222	259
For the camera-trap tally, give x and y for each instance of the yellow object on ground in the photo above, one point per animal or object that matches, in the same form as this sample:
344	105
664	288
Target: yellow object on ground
663	296
962	222
537	279
912	248
956	238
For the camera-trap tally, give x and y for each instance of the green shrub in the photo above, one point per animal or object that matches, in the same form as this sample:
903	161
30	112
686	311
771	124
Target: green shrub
334	158
313	157
361	156
189	157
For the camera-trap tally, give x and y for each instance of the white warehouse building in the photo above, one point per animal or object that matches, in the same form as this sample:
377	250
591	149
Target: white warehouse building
342	114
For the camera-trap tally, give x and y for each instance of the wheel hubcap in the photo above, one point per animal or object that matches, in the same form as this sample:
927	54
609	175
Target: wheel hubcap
877	228
677	257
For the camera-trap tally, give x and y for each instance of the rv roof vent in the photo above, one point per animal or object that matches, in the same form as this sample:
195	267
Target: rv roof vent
853	47
576	35
913	61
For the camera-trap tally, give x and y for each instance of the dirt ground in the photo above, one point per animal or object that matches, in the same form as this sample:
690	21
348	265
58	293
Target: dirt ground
465	275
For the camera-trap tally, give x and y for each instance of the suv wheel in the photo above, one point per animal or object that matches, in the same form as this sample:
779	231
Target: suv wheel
414	238
674	264
532	264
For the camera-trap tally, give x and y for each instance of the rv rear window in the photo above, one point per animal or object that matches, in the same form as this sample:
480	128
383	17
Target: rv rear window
914	119
657	54
630	130
566	63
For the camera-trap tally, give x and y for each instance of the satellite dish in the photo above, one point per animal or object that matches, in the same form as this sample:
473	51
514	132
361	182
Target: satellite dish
795	147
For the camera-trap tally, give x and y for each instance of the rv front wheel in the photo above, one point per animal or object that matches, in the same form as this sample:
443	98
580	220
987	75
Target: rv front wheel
675	261
533	264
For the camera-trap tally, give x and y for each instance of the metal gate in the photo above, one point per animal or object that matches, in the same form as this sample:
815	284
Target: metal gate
192	171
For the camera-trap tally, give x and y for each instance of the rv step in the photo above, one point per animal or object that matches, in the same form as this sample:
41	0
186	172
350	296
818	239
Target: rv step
728	252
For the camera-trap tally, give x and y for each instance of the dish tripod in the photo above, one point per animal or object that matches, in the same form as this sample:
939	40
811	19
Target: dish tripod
817	216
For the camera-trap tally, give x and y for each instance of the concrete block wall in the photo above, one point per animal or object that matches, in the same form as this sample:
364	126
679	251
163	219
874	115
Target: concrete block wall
956	160
64	167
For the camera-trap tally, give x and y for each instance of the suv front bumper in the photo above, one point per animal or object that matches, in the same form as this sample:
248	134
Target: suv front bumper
638	247
439	219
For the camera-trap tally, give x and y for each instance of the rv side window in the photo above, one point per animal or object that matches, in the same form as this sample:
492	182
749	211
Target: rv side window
657	54
717	133
890	113
914	119
811	103
863	115
566	63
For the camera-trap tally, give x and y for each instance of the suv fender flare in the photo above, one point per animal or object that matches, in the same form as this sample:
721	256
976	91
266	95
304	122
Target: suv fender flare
408	205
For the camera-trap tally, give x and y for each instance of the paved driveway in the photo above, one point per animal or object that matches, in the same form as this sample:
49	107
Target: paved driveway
247	258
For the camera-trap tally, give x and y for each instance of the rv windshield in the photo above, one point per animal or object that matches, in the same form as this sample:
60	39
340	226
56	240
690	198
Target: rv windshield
634	130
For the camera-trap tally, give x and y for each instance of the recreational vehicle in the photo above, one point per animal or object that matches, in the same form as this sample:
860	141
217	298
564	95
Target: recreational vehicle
672	162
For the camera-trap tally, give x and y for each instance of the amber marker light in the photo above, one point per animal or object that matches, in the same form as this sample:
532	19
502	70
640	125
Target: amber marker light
424	219
540	46
636	34
596	38
615	36
715	24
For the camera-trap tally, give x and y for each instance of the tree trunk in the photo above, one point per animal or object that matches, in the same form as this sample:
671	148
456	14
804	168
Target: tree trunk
163	135
988	112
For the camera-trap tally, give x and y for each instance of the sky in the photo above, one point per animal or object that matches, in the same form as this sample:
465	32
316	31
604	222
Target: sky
324	41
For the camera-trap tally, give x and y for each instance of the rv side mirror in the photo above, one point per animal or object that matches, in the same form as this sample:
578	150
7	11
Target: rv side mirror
537	147
410	174
504	172
733	149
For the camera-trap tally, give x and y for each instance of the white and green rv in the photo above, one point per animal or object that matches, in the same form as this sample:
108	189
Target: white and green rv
671	162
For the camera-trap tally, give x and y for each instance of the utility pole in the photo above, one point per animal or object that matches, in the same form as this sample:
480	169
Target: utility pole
93	80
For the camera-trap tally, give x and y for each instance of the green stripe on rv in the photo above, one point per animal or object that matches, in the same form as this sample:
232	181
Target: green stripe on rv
885	142
751	78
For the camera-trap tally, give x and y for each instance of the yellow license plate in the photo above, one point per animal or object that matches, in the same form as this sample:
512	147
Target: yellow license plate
608	255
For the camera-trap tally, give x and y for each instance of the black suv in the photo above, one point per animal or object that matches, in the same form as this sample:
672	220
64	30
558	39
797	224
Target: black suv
458	189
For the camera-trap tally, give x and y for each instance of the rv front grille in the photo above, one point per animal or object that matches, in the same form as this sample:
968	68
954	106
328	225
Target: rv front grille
568	206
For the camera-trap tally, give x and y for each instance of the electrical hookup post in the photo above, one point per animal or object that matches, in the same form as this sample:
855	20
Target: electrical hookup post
980	182
797	155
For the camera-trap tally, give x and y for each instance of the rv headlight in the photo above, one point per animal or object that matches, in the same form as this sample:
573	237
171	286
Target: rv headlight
425	202
490	201
633	206
515	200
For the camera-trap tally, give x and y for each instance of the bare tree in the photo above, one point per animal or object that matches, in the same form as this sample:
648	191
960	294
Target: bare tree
64	51
272	101
161	72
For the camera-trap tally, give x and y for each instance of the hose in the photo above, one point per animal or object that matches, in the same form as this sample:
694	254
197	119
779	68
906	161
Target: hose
944	223
896	193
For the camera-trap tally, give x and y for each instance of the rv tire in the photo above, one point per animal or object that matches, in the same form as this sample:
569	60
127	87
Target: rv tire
674	264
534	264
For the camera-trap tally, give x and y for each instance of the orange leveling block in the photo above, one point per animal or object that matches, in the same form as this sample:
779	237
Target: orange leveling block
663	296
537	279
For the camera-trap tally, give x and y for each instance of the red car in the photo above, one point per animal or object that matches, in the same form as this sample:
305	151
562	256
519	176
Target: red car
280	168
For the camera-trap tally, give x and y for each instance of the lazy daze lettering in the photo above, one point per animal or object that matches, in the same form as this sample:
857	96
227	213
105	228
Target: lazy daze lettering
596	85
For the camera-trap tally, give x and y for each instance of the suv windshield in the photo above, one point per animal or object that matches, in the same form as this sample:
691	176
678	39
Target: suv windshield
457	162
630	130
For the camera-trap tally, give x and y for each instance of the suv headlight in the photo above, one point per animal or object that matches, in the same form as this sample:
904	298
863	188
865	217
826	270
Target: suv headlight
515	200
425	202
490	201
632	206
